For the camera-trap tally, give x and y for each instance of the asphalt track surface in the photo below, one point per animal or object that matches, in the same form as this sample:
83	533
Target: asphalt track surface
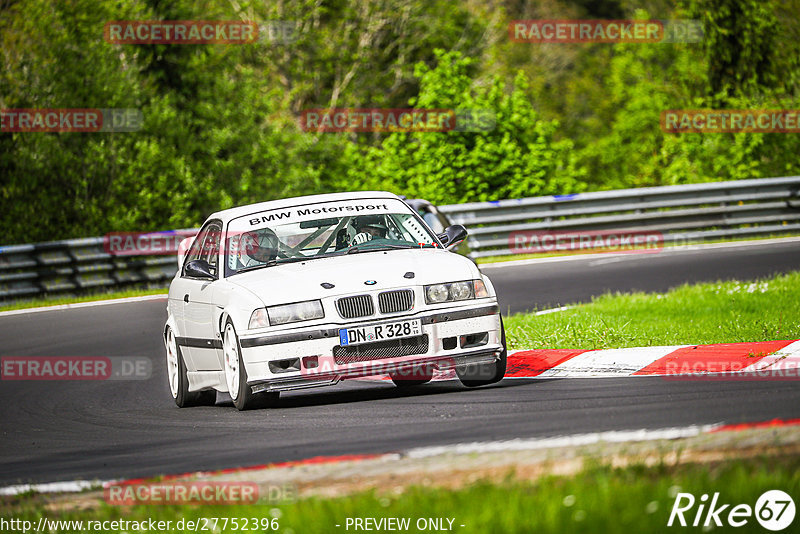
107	430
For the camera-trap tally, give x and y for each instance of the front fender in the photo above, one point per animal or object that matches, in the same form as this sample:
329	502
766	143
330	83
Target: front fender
171	323
236	303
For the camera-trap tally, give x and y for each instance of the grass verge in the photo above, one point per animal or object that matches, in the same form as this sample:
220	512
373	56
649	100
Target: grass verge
600	498
721	312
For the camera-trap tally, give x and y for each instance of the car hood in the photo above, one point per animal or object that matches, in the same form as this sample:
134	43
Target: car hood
293	282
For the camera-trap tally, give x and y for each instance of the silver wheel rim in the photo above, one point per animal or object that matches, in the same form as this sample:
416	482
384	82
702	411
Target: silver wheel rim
172	363
231	350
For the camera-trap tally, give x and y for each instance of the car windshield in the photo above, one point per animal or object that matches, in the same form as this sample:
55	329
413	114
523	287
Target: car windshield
322	230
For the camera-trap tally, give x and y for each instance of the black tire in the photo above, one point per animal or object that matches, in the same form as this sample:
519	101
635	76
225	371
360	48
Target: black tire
422	375
245	398
399	382
488	373
185	398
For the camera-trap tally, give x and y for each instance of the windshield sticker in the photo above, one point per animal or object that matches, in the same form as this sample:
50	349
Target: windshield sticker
314	211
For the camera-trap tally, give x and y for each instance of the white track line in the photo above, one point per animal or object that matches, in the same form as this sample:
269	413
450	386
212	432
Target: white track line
552	310
616	436
90	304
151	297
603	255
70	486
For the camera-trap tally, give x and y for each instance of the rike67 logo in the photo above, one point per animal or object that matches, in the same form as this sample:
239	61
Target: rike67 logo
774	510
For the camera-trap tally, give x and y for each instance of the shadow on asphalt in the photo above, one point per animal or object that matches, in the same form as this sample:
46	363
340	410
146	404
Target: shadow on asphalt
362	392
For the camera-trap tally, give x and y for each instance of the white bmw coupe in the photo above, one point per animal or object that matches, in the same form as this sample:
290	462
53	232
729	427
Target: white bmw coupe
308	291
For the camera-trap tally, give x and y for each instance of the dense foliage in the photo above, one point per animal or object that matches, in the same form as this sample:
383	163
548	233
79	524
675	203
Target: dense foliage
220	121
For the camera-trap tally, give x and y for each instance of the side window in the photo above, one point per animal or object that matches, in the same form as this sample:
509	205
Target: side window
412	230
211	248
206	246
433	221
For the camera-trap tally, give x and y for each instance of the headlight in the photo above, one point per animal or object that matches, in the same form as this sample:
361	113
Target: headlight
258	319
436	293
468	289
480	289
461	290
292	313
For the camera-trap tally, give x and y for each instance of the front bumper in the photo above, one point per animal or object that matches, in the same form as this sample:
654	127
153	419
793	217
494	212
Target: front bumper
453	337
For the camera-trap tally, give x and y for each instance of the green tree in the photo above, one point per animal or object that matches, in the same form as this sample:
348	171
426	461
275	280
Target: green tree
219	121
741	46
517	158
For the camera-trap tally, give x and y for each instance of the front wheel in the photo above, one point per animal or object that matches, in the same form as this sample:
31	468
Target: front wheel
236	375
179	381
487	373
416	377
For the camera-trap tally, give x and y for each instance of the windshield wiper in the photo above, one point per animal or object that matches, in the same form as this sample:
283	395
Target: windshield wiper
254	267
390	245
271	263
288	260
371	248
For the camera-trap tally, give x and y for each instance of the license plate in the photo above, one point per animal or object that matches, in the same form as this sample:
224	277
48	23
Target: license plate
379	332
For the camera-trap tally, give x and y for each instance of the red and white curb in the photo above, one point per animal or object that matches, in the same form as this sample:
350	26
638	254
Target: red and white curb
781	358
760	360
614	436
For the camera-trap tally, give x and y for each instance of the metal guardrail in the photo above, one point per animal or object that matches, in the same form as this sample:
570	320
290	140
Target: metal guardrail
75	265
683	214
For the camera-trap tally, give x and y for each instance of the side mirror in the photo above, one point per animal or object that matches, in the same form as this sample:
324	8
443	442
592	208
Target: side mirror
452	236
199	269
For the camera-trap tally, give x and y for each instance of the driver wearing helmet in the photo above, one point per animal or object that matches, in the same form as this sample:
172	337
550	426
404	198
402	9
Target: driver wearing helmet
257	247
369	227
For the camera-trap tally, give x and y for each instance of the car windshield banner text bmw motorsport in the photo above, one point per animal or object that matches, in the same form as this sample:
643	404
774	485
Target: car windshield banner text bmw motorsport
168	242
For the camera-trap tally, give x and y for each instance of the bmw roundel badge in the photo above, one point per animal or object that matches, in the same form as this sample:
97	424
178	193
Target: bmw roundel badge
370	282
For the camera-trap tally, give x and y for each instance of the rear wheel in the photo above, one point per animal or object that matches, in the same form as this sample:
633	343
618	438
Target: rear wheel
475	375
179	381
236	375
